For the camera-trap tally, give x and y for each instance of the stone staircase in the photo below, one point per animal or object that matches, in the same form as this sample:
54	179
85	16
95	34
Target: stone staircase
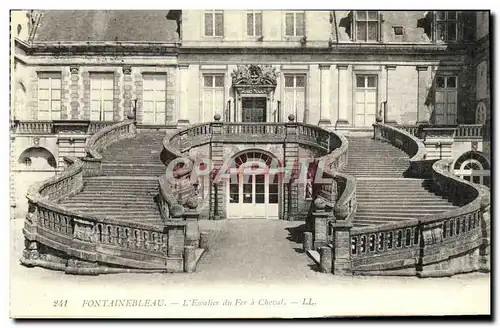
384	194
131	168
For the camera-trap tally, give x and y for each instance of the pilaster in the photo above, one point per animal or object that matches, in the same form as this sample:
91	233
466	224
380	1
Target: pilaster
183	115
127	90
423	78
390	109
325	109
342	93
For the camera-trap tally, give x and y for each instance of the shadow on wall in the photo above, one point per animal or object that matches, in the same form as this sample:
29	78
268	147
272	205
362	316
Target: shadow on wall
451	97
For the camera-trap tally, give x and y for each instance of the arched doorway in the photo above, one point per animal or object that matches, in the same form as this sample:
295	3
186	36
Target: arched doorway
474	167
253	190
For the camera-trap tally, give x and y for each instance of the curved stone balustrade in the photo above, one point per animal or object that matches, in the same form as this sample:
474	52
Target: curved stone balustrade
456	241
411	145
77	242
102	139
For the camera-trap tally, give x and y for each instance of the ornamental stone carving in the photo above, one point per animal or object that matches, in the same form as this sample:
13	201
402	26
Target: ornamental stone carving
254	75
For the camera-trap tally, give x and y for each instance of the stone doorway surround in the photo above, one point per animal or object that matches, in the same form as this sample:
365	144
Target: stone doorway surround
254	81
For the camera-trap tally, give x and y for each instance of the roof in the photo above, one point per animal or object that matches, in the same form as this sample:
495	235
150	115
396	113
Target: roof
106	25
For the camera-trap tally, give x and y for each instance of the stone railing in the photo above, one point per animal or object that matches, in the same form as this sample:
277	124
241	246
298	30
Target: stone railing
33	127
48	126
444	244
411	129
455	241
178	144
470	131
462	131
196	135
102	139
411	145
80	243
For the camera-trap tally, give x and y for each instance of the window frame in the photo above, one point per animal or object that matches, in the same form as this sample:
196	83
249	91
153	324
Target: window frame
354	25
213	88
156	76
296	88
102	116
254	23
213	15
304	30
52	75
445	90
446	22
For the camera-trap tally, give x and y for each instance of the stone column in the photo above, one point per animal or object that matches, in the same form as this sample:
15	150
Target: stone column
325	109
423	78
342	94
183	108
389	106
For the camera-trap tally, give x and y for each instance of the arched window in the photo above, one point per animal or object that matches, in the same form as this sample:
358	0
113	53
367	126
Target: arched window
38	159
474	167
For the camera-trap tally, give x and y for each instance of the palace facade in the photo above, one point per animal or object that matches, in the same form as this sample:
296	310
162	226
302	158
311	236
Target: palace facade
389	111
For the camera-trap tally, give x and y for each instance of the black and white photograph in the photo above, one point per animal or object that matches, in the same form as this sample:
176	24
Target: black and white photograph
250	163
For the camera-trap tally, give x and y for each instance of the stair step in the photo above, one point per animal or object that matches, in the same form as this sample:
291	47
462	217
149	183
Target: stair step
377	205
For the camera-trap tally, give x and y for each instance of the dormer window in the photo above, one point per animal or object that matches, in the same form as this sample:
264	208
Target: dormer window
366	26
446	26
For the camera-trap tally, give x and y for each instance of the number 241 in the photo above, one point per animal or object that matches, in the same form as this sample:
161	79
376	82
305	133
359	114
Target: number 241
60	303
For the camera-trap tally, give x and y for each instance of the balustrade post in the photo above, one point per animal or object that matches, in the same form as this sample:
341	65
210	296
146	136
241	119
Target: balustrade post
192	228
325	258
291	157
217	210
341	247
433	258
189	258
320	224
485	249
308	241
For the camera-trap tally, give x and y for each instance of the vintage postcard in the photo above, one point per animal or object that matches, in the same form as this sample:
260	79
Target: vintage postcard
249	163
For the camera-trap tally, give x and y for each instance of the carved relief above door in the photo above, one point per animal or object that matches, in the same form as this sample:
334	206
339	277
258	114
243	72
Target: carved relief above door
254	87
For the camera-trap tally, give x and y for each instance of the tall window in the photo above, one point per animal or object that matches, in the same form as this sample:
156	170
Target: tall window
49	96
155	86
254	23
101	96
366	100
214	23
213	95
446	26
446	100
295	95
366	26
295	24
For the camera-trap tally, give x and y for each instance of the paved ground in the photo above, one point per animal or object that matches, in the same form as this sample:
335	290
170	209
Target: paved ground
250	259
256	249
